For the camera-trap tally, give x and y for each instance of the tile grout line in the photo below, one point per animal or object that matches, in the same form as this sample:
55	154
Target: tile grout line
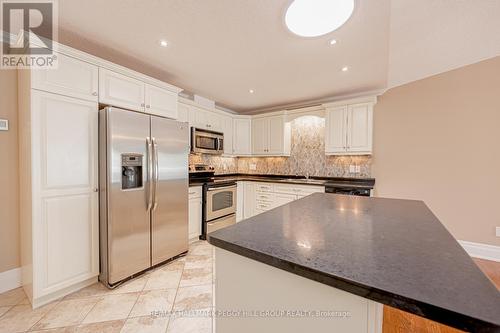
138	295
175	297
43	316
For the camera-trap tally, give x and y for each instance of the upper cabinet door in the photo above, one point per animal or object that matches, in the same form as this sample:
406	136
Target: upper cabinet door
161	102
276	135
336	136
260	136
228	134
72	77
120	90
359	128
183	113
242	136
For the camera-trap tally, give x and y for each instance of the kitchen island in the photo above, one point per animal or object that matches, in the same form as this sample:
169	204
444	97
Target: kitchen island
327	263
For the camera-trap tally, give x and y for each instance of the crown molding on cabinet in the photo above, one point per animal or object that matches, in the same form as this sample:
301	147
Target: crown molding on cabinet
83	56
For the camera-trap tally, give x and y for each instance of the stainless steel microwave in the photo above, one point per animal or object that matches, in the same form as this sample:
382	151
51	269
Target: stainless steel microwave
206	142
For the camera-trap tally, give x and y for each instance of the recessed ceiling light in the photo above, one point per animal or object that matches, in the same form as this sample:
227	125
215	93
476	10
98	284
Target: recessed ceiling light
163	43
308	18
345	69
251	91
333	42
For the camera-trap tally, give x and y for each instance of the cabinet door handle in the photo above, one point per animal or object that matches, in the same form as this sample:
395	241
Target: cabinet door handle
191	193
94	93
96	189
142	104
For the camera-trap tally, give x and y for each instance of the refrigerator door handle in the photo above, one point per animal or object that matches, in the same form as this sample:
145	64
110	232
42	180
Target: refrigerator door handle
149	201
156	174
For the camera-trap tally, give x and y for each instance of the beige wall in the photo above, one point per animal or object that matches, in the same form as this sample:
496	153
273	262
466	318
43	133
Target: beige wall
438	140
9	206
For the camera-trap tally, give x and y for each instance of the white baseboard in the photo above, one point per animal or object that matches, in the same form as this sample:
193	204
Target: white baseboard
481	251
10	280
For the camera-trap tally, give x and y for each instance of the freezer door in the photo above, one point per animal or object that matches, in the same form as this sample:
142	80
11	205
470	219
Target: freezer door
169	223
128	219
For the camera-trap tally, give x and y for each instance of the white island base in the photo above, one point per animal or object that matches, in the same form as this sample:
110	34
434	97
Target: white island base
254	297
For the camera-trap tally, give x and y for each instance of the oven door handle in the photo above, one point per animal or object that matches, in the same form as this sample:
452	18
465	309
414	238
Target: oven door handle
221	188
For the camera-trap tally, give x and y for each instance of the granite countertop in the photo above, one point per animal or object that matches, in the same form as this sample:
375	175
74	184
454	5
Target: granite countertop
301	180
392	251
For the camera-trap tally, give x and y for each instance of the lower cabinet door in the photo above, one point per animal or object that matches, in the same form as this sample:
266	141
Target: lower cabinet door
282	199
195	218
249	195
65	209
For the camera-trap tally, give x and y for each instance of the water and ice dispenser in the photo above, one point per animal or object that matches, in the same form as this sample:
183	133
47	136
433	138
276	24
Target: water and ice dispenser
131	171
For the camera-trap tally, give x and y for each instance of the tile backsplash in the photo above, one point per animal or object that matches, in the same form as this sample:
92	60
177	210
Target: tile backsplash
307	156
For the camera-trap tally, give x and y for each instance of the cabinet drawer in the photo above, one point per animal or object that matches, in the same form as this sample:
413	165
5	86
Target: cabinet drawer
285	188
194	192
263	206
309	189
264	196
298	189
264	187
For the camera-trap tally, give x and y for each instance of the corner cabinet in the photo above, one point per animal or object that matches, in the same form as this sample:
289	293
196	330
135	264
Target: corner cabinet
242	136
349	129
120	90
58	181
271	136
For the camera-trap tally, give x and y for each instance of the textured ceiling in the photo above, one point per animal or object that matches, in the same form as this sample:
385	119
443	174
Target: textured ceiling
222	48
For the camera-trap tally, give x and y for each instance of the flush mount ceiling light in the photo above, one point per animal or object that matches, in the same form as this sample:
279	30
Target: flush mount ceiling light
163	43
311	18
251	91
333	42
345	69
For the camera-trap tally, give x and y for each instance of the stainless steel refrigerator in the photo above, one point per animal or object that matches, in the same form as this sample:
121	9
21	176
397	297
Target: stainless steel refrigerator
143	192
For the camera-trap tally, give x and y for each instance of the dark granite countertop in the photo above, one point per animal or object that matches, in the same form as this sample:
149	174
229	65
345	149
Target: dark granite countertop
301	180
395	252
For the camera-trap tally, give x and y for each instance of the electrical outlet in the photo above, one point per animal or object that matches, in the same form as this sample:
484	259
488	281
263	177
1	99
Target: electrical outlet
498	231
253	166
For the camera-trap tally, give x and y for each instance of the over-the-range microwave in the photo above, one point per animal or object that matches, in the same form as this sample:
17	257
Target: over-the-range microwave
206	142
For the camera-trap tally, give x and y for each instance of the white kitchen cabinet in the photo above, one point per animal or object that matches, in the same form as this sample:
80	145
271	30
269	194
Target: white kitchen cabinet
335	136
271	136
240	200
242	138
183	112
59	192
249	195
195	212
72	77
260	197
260	136
227	129
349	129
160	102
281	199
205	119
359	128
120	90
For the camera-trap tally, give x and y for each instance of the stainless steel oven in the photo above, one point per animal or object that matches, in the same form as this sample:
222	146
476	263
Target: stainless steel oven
206	142
220	207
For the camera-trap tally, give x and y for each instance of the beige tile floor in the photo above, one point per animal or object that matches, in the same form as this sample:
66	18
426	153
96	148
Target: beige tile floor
183	287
